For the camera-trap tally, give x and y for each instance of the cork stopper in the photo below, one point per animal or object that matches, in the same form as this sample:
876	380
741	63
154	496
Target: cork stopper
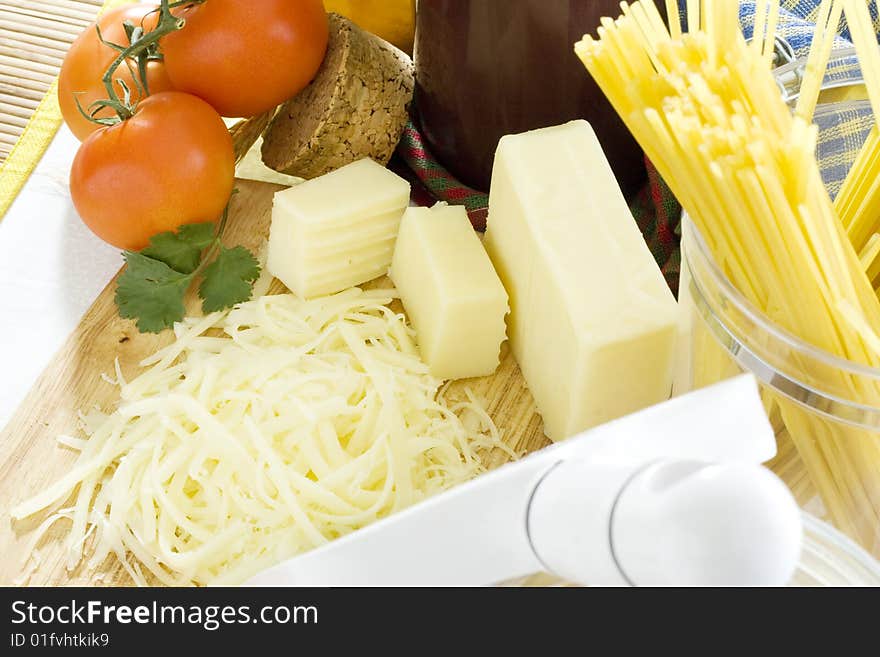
355	107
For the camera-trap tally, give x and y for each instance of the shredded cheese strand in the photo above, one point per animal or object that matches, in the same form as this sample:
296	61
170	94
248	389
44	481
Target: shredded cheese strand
260	433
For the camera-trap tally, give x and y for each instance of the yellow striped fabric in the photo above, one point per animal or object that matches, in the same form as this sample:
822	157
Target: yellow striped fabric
30	55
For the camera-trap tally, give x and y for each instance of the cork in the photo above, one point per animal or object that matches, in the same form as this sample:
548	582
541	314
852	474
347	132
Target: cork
355	107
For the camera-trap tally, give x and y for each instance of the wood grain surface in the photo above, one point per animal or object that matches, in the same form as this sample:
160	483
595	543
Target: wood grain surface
30	458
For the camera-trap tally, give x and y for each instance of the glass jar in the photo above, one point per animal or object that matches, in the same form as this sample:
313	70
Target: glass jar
830	559
829	442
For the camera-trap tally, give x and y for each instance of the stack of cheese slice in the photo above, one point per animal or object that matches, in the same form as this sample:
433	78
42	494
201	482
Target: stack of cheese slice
336	231
592	322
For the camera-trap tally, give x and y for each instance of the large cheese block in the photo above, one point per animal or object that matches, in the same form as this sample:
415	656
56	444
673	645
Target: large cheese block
336	231
450	292
592	322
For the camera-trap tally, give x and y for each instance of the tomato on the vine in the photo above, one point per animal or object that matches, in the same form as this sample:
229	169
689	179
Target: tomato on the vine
245	58
171	163
88	59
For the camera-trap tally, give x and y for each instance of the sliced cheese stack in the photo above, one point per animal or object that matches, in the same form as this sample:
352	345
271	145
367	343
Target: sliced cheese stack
592	322
450	291
336	231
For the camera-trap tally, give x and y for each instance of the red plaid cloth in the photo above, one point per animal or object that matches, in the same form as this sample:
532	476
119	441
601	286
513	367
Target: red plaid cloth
655	209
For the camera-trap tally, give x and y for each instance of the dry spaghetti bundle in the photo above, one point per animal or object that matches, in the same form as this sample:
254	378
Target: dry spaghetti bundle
706	109
858	203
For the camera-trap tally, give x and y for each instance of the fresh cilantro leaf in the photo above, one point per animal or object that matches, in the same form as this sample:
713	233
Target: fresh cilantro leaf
200	235
153	286
182	251
229	279
151	292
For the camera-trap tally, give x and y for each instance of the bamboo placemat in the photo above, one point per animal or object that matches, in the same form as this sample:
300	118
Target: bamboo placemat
34	36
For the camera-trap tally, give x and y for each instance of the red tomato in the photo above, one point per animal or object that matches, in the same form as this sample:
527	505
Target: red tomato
170	164
245	58
88	59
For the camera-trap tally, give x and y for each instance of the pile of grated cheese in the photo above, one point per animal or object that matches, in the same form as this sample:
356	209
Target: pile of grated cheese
258	434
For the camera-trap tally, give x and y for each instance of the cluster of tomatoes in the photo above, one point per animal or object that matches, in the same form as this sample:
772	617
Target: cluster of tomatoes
169	160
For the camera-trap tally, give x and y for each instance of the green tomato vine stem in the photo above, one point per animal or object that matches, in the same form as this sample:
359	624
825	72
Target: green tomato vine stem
211	252
141	50
167	24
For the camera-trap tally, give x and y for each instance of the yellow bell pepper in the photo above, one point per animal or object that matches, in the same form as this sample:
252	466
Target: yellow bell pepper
392	20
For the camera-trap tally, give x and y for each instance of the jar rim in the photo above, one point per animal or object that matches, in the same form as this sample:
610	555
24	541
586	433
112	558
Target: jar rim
831	558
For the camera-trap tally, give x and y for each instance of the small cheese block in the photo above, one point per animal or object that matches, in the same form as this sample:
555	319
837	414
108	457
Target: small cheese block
336	231
592	321
450	292
356	106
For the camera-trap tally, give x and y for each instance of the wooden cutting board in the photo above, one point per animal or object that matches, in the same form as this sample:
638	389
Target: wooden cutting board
30	458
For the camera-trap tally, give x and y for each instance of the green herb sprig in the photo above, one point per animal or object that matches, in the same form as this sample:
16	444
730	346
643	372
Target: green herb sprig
156	279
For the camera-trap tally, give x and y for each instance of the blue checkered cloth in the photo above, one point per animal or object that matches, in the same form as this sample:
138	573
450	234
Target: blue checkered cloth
797	20
843	124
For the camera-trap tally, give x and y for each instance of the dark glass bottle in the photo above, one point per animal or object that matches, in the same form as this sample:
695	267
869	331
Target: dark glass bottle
487	68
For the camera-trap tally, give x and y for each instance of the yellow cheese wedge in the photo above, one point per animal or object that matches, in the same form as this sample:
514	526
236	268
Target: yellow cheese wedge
336	231
592	322
450	292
